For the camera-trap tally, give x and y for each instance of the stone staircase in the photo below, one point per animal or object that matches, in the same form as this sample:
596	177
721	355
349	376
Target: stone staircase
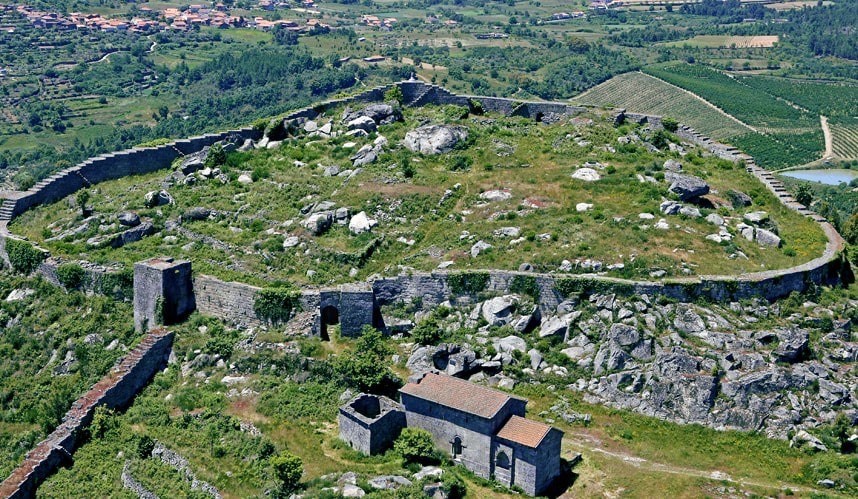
7	210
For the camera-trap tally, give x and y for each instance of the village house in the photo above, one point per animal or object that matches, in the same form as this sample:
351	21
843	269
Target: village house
482	429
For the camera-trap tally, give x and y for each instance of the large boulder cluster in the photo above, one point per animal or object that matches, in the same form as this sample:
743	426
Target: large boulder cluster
709	365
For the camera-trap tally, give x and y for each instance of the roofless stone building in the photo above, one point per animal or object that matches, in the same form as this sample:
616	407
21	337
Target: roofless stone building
482	429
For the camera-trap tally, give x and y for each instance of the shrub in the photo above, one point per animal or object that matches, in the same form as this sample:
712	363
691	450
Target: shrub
850	229
71	275
670	124
154	142
24	257
415	445
525	285
288	469
476	107
363	368
460	163
216	156
103	421
428	332
144	446
394	94
804	195
469	283
275	305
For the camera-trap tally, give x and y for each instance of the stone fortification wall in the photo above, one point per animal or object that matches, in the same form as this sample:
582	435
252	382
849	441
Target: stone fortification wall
234	302
115	390
110	166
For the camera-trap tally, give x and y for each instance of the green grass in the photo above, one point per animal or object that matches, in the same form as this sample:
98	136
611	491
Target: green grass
257	217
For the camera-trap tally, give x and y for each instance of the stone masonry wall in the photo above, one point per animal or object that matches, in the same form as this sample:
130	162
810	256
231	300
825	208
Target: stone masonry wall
115	390
233	302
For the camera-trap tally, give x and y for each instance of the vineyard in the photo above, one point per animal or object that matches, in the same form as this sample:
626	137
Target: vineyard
642	93
781	150
829	99
755	108
845	139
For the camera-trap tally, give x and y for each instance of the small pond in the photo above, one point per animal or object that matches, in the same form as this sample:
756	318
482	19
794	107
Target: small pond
831	176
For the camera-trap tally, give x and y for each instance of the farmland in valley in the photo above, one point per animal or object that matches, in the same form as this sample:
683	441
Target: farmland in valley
727	41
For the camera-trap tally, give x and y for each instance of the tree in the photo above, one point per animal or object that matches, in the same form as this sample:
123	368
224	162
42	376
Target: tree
216	156
82	198
670	124
804	195
288	469
394	94
415	445
850	229
363	368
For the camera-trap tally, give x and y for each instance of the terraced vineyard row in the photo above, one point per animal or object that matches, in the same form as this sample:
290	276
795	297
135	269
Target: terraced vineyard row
642	93
834	99
845	141
750	105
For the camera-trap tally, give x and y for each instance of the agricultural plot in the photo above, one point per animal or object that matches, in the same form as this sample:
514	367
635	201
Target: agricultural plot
832	99
727	41
845	141
642	93
747	104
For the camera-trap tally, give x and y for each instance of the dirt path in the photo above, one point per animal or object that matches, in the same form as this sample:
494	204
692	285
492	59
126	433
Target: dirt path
701	99
826	132
585	443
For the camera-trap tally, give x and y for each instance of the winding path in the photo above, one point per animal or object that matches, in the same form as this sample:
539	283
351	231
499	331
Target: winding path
584	442
829	142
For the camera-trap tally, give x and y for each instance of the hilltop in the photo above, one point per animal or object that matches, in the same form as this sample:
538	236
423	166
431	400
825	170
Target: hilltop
328	202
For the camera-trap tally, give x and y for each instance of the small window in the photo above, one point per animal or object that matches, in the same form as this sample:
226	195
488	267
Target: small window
502	460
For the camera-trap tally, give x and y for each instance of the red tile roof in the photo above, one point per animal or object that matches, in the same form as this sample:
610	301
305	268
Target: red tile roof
458	394
524	431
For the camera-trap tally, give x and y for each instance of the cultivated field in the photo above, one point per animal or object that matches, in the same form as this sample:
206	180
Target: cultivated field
845	141
727	41
796	5
642	93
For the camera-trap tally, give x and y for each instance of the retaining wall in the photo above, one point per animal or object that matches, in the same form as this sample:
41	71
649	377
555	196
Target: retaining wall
115	390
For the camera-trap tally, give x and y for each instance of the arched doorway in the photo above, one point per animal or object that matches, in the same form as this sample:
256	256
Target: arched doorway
502	460
456	447
329	317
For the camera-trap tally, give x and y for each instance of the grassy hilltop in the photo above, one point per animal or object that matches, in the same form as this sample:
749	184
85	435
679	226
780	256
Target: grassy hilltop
434	208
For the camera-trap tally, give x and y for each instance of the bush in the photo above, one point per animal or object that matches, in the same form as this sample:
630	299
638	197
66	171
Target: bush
71	275
24	257
460	163
804	195
216	156
288	469
275	305
394	94
428	332
469	283
415	445
669	124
